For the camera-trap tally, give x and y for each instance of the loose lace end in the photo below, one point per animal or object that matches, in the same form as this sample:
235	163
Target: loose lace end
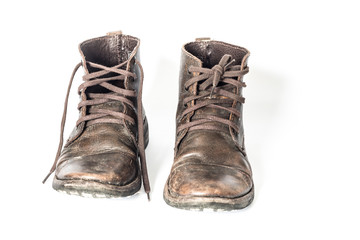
47	176
141	141
63	120
212	91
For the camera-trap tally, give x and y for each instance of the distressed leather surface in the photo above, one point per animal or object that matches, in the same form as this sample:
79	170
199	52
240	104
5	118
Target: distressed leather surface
209	163
104	152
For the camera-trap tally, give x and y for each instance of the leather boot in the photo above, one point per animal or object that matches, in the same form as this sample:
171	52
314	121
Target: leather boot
100	158
210	168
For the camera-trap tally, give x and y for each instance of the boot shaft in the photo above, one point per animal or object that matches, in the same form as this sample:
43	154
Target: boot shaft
110	50
204	53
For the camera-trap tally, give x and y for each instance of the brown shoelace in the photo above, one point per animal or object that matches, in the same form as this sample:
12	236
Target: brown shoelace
221	80
107	116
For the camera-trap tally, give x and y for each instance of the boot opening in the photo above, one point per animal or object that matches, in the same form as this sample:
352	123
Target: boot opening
210	52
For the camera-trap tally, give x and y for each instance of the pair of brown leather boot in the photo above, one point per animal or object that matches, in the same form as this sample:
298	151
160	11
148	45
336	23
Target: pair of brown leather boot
100	158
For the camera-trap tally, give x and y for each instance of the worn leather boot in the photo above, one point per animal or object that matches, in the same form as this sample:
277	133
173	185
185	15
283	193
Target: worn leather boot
100	158
210	168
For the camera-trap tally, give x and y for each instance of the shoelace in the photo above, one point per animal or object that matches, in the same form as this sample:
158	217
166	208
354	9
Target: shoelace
102	115
223	73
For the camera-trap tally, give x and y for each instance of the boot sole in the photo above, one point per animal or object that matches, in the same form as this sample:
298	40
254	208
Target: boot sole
208	203
88	188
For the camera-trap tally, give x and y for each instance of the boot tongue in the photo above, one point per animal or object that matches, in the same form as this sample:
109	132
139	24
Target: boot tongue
110	50
107	51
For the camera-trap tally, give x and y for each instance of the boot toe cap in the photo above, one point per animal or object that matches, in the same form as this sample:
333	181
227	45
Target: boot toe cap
108	168
197	180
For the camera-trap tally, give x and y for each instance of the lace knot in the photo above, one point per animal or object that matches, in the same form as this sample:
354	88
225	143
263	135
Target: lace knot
218	71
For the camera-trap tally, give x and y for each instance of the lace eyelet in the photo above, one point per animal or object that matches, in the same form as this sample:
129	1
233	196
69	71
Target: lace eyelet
188	71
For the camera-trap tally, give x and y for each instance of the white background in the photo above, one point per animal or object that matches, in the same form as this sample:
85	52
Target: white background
301	116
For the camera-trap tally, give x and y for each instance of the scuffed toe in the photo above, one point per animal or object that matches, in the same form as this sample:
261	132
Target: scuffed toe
107	168
195	180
